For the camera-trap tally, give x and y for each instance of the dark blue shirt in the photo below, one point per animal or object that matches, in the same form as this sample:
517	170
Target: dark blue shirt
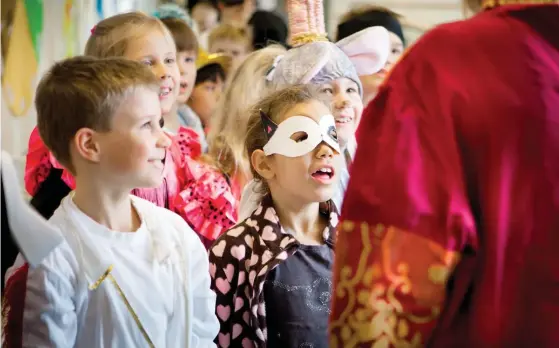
297	295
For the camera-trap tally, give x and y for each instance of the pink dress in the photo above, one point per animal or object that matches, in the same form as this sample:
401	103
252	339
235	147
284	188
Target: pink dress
196	191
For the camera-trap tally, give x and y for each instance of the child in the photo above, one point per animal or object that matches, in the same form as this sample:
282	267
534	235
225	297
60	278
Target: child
210	82
231	40
336	69
236	12
206	16
272	272
370	16
128	273
192	189
187	53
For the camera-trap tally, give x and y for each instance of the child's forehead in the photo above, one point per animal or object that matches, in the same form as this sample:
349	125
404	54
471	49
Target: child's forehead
313	109
155	40
228	41
340	81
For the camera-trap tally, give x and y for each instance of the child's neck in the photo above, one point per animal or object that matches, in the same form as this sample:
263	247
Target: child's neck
171	120
303	221
110	208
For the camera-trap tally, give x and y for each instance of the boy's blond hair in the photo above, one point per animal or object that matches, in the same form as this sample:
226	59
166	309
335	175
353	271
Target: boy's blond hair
244	88
85	92
230	32
111	36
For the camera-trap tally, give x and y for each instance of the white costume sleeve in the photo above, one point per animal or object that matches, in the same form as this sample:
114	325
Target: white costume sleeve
203	321
205	325
49	316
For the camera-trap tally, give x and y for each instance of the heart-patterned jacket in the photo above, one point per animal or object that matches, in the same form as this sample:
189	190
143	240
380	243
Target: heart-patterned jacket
240	260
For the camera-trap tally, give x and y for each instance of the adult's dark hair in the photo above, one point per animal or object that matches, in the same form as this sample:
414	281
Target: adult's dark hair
210	72
231	2
190	4
357	20
267	28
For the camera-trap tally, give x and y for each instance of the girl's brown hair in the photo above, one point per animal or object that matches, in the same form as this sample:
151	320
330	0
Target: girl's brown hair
275	106
111	36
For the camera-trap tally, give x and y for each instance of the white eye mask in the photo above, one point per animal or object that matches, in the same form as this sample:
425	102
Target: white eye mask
280	139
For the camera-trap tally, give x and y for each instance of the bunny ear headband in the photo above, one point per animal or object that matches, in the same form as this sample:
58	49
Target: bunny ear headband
367	49
316	60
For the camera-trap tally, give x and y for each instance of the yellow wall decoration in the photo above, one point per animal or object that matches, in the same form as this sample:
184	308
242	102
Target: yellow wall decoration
21	64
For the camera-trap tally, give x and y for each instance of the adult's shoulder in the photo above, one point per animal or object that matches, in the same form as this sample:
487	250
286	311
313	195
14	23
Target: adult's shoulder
459	39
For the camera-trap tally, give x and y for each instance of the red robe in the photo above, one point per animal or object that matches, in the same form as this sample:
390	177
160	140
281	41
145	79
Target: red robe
450	231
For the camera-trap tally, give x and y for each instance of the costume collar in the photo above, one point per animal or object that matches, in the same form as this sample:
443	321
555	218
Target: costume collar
486	4
267	211
96	262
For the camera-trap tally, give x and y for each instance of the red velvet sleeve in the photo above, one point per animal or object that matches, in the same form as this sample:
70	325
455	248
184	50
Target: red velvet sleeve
406	217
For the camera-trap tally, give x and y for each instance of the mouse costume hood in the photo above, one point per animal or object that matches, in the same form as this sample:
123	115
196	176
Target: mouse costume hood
314	59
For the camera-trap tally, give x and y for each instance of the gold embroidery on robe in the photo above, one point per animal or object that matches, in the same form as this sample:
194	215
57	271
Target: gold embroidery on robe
396	287
5	313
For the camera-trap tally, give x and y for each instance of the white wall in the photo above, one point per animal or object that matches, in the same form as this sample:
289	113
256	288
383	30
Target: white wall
15	130
422	12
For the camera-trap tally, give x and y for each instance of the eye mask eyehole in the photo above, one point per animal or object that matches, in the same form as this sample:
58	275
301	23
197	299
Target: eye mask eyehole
333	133
299	136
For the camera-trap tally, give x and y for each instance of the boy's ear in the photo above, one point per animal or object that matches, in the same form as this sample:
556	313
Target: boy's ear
261	164
86	146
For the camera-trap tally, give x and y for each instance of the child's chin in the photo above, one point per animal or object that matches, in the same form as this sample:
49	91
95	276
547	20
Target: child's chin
182	98
324	195
167	106
150	182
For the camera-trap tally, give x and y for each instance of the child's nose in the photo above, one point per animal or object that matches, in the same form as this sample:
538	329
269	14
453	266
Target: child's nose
324	151
163	140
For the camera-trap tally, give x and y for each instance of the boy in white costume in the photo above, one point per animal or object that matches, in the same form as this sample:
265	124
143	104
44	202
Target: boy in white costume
128	273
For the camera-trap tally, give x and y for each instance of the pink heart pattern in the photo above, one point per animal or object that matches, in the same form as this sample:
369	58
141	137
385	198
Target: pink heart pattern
224	340
240	261
223	312
237	330
223	285
229	272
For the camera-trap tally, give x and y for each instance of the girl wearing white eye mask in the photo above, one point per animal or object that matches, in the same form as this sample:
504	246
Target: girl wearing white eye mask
272	271
336	68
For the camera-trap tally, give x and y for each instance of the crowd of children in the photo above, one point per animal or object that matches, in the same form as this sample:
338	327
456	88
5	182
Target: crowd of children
167	140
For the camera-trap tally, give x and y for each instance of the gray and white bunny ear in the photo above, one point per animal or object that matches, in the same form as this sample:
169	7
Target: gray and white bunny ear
367	49
34	236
